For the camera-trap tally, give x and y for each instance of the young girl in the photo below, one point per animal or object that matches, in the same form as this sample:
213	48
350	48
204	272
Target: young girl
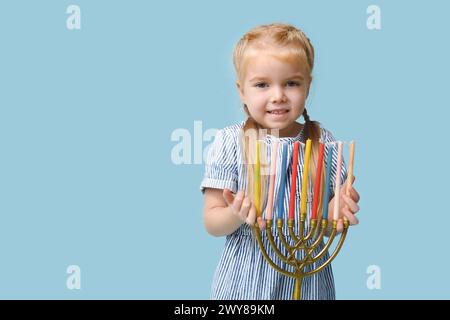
274	66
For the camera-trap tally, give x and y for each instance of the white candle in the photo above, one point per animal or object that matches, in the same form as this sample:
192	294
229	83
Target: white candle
337	189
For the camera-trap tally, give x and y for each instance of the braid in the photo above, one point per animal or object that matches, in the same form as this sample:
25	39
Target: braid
306	116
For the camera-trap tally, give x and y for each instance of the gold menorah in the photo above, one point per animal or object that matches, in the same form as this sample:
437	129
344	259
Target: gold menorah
300	243
308	240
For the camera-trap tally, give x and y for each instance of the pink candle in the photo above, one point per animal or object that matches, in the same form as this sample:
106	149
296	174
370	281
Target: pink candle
273	166
317	183
293	198
337	188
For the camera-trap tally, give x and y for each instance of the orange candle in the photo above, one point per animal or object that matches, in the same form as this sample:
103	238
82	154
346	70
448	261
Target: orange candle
350	168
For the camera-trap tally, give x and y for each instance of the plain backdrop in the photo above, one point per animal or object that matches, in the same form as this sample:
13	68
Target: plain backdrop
86	118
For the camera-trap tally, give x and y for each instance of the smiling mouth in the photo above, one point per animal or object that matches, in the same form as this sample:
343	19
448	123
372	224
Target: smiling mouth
278	111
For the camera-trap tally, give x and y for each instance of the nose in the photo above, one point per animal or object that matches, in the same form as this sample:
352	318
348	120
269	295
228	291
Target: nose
278	95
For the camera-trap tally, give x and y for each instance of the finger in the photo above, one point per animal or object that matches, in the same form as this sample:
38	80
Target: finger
350	216
347	186
243	212
353	180
351	204
237	203
340	226
345	183
331	208
251	216
354	195
228	196
261	222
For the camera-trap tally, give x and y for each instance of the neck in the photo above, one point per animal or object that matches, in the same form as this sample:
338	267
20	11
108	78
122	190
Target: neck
291	131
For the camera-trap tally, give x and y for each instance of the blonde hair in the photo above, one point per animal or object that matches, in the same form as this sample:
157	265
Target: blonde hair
290	44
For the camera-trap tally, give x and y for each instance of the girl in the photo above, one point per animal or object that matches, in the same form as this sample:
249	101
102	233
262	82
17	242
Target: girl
274	66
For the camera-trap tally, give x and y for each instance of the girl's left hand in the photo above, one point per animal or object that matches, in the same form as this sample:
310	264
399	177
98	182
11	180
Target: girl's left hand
348	206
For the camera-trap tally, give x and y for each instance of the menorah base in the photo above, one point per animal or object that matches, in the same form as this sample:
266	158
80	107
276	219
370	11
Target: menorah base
297	288
300	243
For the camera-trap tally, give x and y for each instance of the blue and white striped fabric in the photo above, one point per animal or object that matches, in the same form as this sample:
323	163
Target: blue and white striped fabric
242	272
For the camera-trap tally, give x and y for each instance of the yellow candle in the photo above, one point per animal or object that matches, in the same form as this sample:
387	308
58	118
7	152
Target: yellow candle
257	183
305	176
350	168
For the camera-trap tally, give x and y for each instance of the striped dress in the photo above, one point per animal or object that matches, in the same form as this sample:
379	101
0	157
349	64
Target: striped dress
242	271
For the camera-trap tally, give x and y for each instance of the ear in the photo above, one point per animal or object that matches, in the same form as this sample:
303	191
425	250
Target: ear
241	91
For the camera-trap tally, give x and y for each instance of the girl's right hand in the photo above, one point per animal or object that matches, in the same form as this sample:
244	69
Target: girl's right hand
242	208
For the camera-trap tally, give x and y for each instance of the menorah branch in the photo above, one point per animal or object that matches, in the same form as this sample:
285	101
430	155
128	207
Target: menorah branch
299	251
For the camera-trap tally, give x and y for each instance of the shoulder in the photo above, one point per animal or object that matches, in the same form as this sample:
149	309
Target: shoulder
230	134
233	130
225	144
326	135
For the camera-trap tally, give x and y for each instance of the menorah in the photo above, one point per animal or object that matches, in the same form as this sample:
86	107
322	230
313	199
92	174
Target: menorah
309	236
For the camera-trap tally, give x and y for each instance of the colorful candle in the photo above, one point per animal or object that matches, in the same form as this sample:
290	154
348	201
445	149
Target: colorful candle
350	168
282	183
305	176
337	189
326	195
273	168
317	183
257	183
293	198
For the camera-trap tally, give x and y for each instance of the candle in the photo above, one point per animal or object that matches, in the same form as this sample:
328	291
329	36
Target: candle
282	183
257	183
326	196
337	188
273	168
317	183
350	168
293	181
305	176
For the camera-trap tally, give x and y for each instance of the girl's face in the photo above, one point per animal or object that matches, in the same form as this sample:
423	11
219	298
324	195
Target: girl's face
274	92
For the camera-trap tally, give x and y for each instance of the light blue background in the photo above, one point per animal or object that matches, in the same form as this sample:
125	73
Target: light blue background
86	117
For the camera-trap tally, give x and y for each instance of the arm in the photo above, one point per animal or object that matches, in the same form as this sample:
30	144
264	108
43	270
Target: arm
217	215
225	212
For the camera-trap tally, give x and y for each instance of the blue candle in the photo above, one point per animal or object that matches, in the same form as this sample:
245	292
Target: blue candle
282	183
327	183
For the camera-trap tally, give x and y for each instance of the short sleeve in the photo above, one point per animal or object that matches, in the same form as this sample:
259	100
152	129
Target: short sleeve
221	169
328	139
